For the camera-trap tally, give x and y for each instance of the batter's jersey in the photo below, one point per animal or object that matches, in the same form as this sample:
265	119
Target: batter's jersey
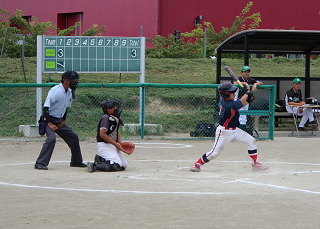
229	115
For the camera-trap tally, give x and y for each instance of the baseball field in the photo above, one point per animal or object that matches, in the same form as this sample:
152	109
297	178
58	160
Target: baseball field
157	190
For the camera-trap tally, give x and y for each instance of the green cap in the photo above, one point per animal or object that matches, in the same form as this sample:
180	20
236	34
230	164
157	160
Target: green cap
245	68
297	80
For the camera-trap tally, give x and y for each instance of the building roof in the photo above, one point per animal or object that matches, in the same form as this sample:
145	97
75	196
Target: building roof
273	41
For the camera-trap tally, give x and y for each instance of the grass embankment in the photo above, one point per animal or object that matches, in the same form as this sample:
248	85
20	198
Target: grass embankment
168	71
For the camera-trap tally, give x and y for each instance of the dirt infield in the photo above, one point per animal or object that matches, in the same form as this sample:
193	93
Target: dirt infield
158	191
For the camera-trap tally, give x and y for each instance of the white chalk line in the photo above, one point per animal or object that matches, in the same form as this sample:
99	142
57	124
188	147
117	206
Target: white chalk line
279	187
118	191
245	180
172	145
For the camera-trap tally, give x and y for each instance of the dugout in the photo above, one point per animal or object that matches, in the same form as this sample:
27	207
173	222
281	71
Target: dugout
257	41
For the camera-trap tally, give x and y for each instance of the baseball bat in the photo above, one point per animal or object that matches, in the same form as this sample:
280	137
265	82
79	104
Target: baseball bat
228	69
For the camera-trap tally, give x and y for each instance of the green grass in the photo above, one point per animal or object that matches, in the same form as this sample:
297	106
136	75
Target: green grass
170	71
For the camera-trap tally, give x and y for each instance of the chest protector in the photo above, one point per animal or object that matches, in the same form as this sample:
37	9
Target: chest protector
112	132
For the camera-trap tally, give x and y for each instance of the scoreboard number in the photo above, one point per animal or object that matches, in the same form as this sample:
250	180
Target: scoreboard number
133	53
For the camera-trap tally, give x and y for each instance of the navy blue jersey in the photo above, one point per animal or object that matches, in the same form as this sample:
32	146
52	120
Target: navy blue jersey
229	115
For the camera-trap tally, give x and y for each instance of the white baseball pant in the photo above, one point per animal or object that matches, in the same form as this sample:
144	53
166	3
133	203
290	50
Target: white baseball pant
306	114
110	153
224	136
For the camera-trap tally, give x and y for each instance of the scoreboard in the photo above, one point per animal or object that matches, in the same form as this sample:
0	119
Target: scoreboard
93	54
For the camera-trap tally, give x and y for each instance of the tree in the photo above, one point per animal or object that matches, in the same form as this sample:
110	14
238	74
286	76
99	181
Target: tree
16	24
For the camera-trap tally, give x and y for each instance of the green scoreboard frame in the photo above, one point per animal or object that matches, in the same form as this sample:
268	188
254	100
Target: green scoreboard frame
88	54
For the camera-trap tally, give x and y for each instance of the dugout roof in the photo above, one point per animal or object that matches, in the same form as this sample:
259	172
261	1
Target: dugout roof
305	42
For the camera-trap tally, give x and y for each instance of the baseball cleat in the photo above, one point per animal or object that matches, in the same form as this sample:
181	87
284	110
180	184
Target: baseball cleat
91	167
195	168
258	166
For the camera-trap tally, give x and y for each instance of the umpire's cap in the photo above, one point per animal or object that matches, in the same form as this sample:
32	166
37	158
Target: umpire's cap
73	75
226	88
245	68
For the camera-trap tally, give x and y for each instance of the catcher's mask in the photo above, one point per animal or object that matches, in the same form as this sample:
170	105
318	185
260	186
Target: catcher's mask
225	89
109	103
71	75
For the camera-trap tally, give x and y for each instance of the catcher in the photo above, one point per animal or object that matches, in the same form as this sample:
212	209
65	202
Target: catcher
110	146
228	130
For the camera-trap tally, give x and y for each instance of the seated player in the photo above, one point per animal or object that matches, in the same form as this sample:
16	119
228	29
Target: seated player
294	97
110	157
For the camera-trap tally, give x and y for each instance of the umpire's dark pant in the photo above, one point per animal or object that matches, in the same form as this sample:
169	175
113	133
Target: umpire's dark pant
68	136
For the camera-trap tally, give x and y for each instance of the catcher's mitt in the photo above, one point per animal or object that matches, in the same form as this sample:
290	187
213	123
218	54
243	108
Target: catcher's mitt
250	96
127	147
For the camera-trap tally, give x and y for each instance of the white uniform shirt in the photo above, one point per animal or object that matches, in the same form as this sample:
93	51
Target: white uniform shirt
58	100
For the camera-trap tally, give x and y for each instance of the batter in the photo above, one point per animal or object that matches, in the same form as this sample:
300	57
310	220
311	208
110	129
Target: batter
228	130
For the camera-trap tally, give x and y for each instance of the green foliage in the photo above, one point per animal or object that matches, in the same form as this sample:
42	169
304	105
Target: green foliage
94	31
170	48
16	24
191	45
281	60
67	31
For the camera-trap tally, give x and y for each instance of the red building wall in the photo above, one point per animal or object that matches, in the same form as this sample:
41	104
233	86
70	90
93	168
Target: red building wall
121	17
275	14
125	17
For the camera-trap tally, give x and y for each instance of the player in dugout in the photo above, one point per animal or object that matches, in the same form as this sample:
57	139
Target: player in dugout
228	130
246	80
294	97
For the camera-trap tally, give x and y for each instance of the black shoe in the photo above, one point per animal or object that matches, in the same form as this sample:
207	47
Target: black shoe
302	129
40	166
91	167
77	164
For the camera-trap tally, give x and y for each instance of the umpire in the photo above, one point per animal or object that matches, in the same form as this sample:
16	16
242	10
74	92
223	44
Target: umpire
58	100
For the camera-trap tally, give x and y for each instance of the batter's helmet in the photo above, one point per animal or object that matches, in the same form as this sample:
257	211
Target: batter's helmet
225	89
109	103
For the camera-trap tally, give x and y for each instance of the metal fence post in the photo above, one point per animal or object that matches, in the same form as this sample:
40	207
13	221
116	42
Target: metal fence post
272	101
142	111
205	42
4	42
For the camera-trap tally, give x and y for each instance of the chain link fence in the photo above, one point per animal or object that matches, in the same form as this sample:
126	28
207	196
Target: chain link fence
169	111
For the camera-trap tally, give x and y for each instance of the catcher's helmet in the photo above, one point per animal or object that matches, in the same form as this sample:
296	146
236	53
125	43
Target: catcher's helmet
225	89
109	103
